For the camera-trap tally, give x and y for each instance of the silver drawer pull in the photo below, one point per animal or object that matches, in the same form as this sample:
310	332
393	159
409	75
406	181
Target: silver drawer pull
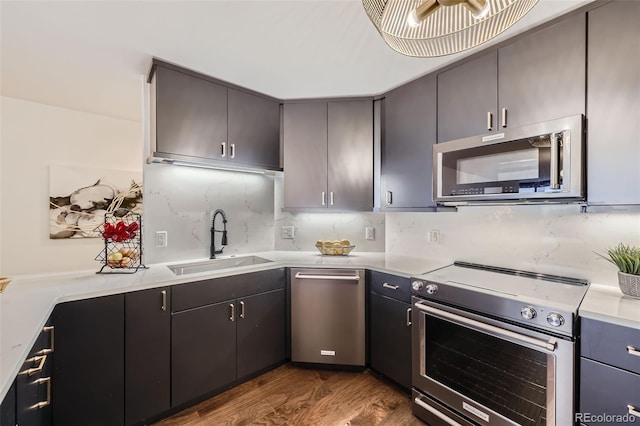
43	404
633	411
31	371
408	317
633	351
164	300
392	287
49	329
300	275
232	313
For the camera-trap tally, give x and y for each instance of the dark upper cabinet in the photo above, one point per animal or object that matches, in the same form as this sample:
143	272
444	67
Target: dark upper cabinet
191	115
328	155
196	118
147	354
254	129
468	98
538	77
407	136
88	362
390	327
613	102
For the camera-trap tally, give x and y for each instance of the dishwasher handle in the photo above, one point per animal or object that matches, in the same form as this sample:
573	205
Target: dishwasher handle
301	275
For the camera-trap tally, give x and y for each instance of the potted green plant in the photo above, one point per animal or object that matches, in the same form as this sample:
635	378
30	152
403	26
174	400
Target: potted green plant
627	259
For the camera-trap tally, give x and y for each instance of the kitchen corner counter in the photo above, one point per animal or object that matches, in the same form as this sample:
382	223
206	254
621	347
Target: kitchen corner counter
29	300
607	303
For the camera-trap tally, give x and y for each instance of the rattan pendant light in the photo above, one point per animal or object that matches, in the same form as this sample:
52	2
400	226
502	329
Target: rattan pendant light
428	28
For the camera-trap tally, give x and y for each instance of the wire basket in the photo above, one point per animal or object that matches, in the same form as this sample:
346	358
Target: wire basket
122	235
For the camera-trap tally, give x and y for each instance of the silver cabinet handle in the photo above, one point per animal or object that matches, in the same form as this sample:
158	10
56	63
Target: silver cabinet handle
436	413
489	120
331	198
52	338
504	117
392	287
388	198
549	345
408	317
300	275
232	154
36	359
633	411
164	300
43	404
324	199
232	314
242	310
633	351
223	149
554	163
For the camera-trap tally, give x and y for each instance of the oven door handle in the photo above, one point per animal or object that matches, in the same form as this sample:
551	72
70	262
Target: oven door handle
549	345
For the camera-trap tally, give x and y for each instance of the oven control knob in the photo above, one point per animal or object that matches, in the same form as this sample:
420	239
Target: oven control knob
528	313
555	319
431	289
417	285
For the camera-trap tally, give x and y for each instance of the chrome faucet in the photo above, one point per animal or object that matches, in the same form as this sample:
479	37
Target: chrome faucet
223	242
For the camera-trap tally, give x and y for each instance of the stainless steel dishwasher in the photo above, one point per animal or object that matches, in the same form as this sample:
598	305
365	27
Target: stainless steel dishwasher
328	316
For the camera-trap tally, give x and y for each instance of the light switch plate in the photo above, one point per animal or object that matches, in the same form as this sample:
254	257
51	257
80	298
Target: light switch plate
370	233
287	232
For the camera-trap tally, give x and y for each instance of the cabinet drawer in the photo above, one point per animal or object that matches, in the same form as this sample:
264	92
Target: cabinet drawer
606	391
609	343
393	286
202	293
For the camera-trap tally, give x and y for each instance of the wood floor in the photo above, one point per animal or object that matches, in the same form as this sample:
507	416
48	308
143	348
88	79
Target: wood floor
290	395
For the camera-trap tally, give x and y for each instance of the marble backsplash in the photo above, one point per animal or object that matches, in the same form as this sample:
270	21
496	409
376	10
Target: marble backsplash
555	239
181	200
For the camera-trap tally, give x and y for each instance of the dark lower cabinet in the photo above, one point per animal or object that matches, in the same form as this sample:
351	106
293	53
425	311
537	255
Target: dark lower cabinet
88	372
147	354
261	332
203	351
390	327
8	408
390	338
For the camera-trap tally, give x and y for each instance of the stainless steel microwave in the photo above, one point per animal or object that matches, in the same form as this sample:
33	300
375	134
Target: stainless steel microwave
536	163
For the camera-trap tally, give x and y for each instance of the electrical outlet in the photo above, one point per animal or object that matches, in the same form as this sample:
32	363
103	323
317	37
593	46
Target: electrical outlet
161	238
370	233
433	236
287	232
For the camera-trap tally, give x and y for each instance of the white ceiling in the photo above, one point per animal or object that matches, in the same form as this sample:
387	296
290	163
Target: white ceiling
93	55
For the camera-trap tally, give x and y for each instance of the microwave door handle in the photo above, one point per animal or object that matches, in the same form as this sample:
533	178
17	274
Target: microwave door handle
554	167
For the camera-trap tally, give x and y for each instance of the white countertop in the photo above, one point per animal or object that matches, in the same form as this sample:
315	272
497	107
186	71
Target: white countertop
28	301
607	303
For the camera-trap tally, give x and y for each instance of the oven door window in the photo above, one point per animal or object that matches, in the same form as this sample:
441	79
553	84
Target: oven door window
505	377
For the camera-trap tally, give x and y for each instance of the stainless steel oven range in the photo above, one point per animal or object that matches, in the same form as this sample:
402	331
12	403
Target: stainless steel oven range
494	346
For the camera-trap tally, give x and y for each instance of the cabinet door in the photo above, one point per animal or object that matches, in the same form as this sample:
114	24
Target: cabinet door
468	98
542	75
409	132
88	367
254	129
350	155
147	354
203	351
613	102
191	115
261	332
390	334
305	155
607	391
8	407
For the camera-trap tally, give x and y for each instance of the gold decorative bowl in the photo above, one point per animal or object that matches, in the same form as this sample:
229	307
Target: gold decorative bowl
4	282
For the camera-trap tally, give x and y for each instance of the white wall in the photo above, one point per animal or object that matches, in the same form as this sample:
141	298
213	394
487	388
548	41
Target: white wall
33	137
551	239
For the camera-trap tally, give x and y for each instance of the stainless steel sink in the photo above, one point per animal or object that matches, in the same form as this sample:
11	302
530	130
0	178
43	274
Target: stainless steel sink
216	264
